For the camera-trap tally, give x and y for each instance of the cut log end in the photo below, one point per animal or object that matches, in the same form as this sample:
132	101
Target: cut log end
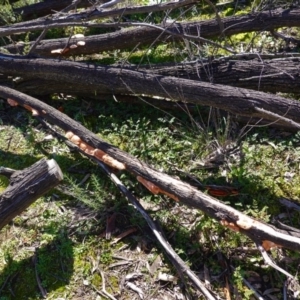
53	166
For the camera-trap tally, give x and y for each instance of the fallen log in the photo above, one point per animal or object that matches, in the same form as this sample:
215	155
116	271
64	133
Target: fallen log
162	183
44	8
255	21
114	80
267	75
26	186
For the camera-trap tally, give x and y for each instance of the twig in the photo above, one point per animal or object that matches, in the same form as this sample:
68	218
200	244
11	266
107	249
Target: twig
42	290
219	20
277	117
287	39
103	285
71	6
270	262
179	262
289	204
256	294
109	4
173	33
33	47
80	19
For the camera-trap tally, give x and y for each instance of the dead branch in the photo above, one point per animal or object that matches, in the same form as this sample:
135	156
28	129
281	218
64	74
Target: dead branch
113	80
82	18
269	75
26	186
91	144
266	20
44	8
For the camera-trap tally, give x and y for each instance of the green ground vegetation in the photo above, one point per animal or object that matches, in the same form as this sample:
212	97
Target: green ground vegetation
60	239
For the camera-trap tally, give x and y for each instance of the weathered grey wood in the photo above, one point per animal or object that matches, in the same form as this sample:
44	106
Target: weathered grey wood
26	186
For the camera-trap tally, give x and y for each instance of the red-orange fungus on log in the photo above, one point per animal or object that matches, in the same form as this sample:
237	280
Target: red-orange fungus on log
169	194
149	185
154	189
27	107
12	102
75	139
69	134
245	223
101	155
89	150
267	245
82	145
230	225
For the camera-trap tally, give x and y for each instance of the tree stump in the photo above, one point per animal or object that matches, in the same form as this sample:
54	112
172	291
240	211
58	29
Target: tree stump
26	186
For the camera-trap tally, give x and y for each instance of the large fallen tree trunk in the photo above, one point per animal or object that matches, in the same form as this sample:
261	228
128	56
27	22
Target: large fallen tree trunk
161	183
268	75
125	39
113	80
26	186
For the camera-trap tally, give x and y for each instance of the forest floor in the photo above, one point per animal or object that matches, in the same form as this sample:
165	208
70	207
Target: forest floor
84	241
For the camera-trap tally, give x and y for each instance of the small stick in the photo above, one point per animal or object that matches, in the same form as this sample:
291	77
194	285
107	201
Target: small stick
33	47
103	286
42	290
269	261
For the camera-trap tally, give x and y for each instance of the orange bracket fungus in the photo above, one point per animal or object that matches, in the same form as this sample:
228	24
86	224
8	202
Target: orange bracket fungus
230	225
12	102
97	153
101	155
267	245
154	189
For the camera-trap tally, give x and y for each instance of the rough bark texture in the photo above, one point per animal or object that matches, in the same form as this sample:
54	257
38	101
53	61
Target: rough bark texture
278	75
261	21
112	80
26	186
45	8
187	194
80	19
268	75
